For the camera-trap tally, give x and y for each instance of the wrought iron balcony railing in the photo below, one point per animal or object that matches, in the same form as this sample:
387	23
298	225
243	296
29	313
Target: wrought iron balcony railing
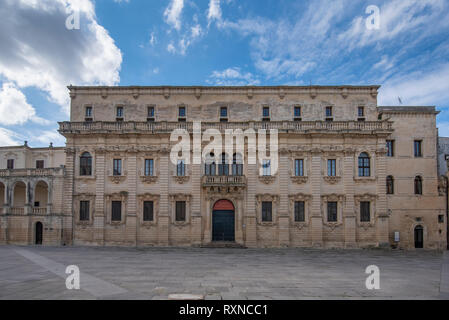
224	181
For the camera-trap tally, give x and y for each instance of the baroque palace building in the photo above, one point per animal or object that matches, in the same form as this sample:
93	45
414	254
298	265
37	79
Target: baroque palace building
351	173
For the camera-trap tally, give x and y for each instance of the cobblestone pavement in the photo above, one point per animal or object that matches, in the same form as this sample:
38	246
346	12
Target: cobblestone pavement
155	273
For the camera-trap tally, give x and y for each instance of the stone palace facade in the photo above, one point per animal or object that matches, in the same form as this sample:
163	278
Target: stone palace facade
351	173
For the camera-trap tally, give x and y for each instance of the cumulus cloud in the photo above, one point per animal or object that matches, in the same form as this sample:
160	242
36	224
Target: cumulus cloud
39	51
172	13
214	11
9	138
14	108
232	77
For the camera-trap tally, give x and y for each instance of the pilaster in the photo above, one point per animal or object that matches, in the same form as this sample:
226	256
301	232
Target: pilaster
349	216
316	215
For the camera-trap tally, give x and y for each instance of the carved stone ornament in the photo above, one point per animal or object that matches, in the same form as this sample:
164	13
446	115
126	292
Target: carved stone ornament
267	179
181	179
332	179
299	180
117	179
149	179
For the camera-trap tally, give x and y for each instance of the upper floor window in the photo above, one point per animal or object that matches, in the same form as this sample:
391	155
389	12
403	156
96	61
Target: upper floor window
119	113
180	214
332	211
223	167
181	113
150	113
267	211
237	164
223	112
181	168
148	208
365	215
209	165
149	167
266	113
299	167
331	167
328	112
88	113
10	164
390	148
116	214
39	164
266	167
86	164
361	112
418	185
297	113
117	168
390	185
84	210
299	211
364	165
418	148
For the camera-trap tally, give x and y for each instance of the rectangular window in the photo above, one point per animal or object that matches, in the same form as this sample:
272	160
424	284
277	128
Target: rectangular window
10	164
390	148
149	163
119	112
181	112
418	148
181	168
266	112
88	112
180	211
328	112
299	167
116	211
37	204
331	167
223	112
117	167
365	211
332	211
150	112
267	215
39	164
266	166
361	111
148	208
84	210
299	211
297	112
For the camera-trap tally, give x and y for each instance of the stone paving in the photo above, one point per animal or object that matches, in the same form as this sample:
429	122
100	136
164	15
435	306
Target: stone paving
155	273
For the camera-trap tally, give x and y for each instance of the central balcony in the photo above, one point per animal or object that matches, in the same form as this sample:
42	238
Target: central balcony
224	181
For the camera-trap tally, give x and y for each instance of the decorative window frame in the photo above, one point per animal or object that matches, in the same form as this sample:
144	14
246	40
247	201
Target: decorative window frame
110	167
306	198
338	169
180	179
77	165
119	196
372	164
299	179
141	167
85	106
76	208
274	198
148	197
340	199
371	198
172	203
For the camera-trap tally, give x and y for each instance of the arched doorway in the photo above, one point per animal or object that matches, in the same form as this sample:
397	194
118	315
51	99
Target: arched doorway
419	237
38	233
223	221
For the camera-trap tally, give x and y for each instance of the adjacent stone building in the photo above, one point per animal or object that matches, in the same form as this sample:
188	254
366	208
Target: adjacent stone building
351	173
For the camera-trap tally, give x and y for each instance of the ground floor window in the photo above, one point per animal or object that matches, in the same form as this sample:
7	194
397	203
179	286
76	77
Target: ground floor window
180	211
84	210
365	215
148	207
299	211
332	211
267	211
116	211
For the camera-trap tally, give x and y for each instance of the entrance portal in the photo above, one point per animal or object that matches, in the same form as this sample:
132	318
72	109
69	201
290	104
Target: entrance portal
38	234
419	237
223	221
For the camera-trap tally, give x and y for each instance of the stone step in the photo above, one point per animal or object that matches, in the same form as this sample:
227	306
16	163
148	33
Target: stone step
223	244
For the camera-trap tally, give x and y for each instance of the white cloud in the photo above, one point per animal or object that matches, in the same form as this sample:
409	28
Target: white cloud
47	136
173	13
9	138
39	51
171	48
232	77
214	12
14	107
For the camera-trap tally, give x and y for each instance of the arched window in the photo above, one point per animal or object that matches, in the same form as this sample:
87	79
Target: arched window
418	185
237	164
390	185
86	164
209	166
364	165
223	167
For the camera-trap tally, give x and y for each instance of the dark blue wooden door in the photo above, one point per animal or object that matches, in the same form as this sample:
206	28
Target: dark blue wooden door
223	226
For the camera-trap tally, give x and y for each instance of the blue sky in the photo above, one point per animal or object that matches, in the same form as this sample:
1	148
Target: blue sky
214	42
